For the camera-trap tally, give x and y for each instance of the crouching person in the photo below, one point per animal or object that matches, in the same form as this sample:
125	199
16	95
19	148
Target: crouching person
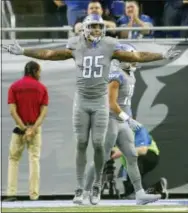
148	159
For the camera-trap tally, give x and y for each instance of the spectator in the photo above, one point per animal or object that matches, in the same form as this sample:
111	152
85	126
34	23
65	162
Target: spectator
117	8
28	100
176	14
50	18
61	12
133	18
106	6
55	16
95	7
75	10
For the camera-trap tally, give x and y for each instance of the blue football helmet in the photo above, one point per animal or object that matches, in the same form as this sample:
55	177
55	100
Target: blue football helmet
94	28
125	65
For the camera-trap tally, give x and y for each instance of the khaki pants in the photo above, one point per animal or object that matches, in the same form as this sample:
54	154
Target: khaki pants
17	145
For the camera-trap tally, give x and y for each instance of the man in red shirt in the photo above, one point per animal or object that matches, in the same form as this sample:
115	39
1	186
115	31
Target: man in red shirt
28	101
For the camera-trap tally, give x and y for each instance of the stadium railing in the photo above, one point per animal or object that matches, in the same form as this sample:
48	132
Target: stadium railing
70	29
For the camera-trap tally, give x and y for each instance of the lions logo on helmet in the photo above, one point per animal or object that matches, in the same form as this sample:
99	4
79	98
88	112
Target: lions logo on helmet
124	65
93	28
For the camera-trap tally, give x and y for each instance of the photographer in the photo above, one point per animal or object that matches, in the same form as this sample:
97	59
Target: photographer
148	159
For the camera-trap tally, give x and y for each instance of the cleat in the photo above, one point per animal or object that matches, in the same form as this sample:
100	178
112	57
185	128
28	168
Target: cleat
147	198
95	195
162	188
78	198
159	188
86	198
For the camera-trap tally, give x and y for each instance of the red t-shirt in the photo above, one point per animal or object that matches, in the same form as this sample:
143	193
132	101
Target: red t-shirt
29	95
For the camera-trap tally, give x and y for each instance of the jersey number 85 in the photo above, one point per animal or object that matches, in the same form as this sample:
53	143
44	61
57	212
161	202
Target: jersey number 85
92	66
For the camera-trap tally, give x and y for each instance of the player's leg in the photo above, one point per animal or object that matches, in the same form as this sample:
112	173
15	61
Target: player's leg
34	149
81	128
125	142
146	163
110	141
99	125
15	152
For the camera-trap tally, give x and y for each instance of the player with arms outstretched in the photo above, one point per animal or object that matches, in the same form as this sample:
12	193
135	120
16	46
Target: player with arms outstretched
120	129
92	52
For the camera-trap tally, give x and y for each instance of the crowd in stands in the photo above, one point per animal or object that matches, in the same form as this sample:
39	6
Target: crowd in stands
130	13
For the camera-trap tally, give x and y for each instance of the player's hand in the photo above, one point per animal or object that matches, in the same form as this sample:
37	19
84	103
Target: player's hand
134	125
15	48
171	53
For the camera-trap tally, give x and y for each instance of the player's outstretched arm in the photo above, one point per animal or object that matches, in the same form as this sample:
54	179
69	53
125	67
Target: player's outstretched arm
145	56
43	54
137	56
53	55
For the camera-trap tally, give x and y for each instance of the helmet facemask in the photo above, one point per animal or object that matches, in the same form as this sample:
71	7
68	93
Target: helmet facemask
94	31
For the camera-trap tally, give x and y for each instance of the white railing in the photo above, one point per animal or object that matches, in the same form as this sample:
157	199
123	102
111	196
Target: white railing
61	41
67	28
8	18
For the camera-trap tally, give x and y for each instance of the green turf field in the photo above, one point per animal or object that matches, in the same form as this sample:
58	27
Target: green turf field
102	209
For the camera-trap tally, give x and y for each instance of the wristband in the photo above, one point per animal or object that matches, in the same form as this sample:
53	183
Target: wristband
123	116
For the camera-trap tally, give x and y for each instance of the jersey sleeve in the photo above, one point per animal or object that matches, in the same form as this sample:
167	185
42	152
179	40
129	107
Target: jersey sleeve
110	46
142	137
11	96
116	76
71	43
117	46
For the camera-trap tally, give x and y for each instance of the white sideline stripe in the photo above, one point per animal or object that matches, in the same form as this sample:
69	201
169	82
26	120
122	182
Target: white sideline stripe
63	203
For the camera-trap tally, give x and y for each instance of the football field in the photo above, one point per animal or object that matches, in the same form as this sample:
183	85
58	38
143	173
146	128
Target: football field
104	206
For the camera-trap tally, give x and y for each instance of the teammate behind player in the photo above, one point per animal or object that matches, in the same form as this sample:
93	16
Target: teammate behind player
121	89
92	52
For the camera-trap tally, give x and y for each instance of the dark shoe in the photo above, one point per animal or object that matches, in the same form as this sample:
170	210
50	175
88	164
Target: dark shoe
10	199
159	188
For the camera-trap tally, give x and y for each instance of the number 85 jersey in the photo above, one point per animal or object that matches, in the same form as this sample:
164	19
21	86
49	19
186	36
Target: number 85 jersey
92	64
126	90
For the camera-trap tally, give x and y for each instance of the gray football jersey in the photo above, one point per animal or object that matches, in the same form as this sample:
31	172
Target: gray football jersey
126	90
92	64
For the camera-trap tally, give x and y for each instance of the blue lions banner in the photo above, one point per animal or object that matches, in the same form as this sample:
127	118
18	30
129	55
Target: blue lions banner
160	103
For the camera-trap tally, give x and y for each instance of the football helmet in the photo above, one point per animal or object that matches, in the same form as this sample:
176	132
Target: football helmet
127	66
94	28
